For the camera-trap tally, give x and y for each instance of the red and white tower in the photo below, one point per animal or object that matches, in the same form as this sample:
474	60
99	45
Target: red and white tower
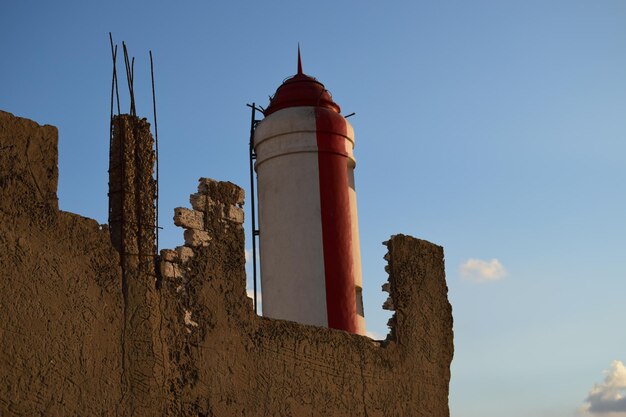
309	236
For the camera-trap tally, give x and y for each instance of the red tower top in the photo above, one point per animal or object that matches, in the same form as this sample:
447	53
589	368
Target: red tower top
301	90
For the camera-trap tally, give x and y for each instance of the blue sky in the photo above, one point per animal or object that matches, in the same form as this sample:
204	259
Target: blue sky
493	128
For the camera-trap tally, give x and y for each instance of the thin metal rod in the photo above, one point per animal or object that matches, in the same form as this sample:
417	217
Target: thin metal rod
253	217
112	85
114	52
128	81
113	89
130	78
117	92
156	146
132	87
111	125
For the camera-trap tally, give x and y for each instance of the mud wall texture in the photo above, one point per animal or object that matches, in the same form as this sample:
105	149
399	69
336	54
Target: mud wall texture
60	304
227	361
132	194
193	346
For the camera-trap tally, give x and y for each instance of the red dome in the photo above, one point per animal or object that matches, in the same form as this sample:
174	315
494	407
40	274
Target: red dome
301	90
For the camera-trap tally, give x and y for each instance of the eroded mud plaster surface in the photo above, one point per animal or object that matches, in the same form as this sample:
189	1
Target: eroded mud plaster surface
64	349
60	303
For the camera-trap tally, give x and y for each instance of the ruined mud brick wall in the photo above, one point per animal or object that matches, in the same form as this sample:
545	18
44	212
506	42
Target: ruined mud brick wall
61	312
226	361
192	346
216	206
132	194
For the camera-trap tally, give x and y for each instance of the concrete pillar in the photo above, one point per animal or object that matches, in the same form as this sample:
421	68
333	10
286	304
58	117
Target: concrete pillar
132	193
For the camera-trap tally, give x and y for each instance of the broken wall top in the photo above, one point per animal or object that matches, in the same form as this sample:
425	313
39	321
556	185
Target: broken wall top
28	164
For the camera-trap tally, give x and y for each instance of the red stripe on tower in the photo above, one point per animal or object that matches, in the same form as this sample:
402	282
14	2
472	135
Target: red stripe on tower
336	220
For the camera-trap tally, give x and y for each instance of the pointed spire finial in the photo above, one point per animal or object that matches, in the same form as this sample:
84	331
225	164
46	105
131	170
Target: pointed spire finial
299	61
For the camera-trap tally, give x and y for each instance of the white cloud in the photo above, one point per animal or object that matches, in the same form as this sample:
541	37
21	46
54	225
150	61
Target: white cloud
477	270
608	399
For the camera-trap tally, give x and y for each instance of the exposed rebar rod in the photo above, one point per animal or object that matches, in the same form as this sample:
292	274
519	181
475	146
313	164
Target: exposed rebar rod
132	86
130	79
113	89
252	194
114	53
156	147
127	71
117	92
